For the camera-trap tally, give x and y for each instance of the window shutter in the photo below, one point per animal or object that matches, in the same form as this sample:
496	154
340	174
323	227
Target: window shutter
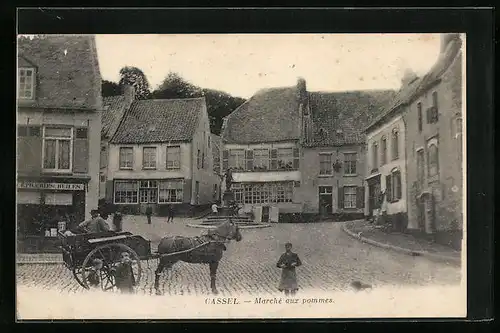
388	188
296	158
225	156
80	151
274	159
249	159
398	180
29	152
340	199
360	197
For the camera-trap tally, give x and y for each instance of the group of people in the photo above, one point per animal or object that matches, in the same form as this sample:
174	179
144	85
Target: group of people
170	213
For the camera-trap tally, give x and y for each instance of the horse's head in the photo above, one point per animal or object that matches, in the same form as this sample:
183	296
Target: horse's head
229	230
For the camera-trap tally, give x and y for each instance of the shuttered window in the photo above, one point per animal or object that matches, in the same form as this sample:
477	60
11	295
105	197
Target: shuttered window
236	160
360	197
261	159
350	196
325	164
29	149
173	158
249	160
126	158
57	149
81	150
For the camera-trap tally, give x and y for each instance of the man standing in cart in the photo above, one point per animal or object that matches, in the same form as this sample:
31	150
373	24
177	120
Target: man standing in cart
95	224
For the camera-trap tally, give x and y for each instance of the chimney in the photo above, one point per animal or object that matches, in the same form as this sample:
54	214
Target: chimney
408	77
301	90
129	93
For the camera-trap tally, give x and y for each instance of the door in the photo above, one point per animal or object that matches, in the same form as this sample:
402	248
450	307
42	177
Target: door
197	192
265	214
373	194
325	200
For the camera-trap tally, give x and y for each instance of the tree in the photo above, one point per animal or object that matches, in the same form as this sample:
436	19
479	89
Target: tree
110	88
219	103
135	77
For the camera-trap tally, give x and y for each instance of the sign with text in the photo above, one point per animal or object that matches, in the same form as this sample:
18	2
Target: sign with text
50	186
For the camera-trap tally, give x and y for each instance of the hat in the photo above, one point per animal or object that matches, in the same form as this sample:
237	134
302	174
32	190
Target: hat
288	244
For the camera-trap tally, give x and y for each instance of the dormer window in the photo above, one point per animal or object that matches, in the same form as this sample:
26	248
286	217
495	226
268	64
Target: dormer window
26	83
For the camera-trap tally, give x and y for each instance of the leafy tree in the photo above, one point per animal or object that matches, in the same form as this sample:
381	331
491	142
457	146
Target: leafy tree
110	88
135	77
219	103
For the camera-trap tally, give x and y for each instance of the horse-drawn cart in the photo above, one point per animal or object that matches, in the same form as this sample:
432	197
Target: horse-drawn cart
80	252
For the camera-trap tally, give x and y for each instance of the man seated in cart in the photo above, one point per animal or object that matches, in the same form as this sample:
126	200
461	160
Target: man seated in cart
95	225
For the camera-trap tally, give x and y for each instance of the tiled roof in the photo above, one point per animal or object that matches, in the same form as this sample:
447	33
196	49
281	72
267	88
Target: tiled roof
416	88
114	109
159	120
271	115
67	71
348	112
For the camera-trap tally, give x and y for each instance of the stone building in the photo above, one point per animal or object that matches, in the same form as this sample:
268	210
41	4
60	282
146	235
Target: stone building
59	108
434	144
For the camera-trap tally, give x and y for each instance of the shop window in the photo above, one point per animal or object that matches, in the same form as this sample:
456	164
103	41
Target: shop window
350	164
149	158
26	78
126	158
325	164
126	192
170	191
148	191
173	157
265	193
57	149
350	196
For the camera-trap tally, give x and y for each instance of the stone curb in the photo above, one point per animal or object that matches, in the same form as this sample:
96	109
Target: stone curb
201	226
401	249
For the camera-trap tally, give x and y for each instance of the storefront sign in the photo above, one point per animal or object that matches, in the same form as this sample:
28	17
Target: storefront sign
51	186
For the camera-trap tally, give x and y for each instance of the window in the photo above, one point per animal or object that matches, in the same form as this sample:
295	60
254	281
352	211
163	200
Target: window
432	112
374	156
173	157
148	191
81	133
126	157
395	144
350	163
325	190
433	160
126	191
396	186
383	151
26	83
238	193
236	159
170	191
420	168
261	159
198	160
57	151
285	158
149	158
419	115
261	193
350	196
325	164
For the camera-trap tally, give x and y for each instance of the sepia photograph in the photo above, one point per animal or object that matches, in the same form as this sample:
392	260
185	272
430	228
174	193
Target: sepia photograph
240	176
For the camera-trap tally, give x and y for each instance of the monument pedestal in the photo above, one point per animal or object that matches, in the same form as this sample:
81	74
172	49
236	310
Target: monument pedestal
227	198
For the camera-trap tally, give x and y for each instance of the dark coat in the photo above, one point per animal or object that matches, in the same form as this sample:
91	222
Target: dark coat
149	210
124	277
117	221
288	276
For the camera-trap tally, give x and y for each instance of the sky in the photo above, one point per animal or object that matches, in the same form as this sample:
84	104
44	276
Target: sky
242	64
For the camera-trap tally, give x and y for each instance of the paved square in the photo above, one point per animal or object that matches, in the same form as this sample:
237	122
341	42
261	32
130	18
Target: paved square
331	261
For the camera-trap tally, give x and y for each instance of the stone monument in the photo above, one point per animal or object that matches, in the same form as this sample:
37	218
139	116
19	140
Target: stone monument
228	195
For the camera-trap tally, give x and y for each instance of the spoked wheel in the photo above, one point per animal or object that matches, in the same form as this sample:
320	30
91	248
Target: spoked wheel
109	255
77	273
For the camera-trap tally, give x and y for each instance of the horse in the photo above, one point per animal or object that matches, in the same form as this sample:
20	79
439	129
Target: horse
204	249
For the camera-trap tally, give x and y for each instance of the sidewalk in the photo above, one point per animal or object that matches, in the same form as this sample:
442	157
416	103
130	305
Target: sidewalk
404	243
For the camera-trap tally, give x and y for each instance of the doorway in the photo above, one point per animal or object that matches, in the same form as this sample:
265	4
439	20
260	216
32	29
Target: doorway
373	194
265	214
325	200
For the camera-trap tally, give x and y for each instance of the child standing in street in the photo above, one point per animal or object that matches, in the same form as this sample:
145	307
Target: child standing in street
287	262
94	279
124	274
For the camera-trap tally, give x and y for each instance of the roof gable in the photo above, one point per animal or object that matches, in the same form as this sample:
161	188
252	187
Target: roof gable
114	109
160	120
67	71
271	115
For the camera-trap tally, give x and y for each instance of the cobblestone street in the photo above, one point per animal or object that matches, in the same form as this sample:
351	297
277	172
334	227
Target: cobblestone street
331	261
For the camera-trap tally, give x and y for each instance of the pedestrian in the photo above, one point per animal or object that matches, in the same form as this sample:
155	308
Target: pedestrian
94	279
117	221
95	224
149	212
288	262
170	214
124	274
215	209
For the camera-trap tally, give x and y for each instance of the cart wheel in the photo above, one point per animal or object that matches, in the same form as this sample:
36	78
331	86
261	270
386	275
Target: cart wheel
77	273
110	255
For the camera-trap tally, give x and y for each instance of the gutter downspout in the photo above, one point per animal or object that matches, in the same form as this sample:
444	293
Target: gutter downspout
406	164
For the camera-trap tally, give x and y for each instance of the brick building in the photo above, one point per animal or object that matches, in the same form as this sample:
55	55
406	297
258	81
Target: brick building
161	154
59	123
434	142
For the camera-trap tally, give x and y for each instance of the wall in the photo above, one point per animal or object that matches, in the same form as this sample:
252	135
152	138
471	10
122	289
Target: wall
447	188
311	179
89	119
375	135
205	176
